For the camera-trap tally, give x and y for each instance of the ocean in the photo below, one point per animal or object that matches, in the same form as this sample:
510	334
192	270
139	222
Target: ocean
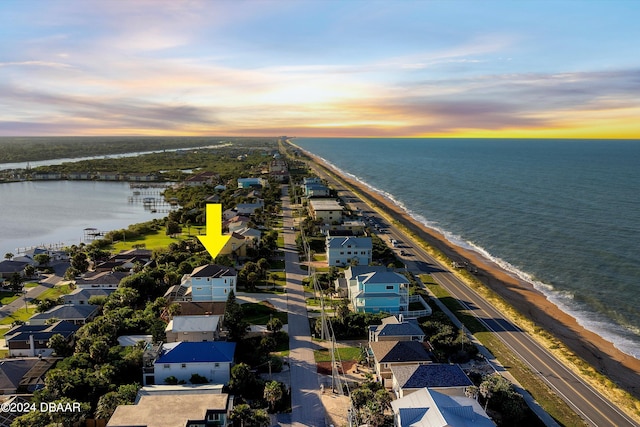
561	214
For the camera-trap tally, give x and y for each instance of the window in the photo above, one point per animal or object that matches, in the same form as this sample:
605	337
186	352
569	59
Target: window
184	365
342	253
216	365
389	287
166	366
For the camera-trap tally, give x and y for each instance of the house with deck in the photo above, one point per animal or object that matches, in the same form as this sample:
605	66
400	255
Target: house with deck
193	328
377	289
387	354
396	328
211	282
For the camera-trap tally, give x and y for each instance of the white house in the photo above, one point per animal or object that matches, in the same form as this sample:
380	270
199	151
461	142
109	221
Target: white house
211	359
342	250
377	289
211	282
428	408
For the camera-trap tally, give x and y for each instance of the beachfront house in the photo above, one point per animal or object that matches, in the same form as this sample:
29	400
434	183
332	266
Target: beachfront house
210	282
433	409
328	210
387	354
445	378
344	250
374	289
396	328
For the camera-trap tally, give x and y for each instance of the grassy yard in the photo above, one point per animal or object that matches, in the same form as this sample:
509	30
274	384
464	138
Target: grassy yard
152	241
280	281
260	313
54	293
7	297
22	314
345	353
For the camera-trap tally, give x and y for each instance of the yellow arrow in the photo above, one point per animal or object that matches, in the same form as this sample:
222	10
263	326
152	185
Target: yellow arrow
214	240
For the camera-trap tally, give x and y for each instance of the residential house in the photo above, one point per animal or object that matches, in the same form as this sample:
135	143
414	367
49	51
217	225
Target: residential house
429	408
249	208
8	268
211	282
316	190
142	177
32	340
79	175
387	354
396	328
29	255
176	409
81	296
24	375
210	359
193	328
202	178
236	246
109	176
329	210
252	234
76	314
444	378
311	180
236	222
46	176
378	290
101	279
344	250
346	228
251	182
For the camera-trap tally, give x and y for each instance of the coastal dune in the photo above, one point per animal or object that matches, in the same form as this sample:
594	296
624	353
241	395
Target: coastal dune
618	366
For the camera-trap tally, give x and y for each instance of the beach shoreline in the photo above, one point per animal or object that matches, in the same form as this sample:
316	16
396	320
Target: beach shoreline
620	367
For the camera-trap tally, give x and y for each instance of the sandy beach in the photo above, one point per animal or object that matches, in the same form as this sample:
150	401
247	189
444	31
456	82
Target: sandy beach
620	367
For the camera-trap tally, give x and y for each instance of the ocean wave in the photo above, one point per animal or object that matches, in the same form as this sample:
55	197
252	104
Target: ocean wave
626	339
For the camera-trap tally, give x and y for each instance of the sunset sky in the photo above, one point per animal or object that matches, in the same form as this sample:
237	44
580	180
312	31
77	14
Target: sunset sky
512	68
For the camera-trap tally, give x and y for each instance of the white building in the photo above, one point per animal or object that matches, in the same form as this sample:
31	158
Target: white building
343	250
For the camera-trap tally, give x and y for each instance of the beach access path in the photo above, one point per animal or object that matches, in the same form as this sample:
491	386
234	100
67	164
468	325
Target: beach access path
594	408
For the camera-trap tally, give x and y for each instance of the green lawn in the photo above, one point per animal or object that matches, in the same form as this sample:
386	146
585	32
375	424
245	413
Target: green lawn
152	241
260	313
22	314
345	353
31	285
280	281
7	297
54	293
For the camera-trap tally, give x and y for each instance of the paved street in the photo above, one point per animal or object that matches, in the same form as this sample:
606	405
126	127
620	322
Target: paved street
307	409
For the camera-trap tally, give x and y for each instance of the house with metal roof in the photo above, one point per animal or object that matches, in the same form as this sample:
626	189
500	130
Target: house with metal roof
386	354
396	328
32	340
429	408
445	378
76	314
344	250
193	328
211	359
378	290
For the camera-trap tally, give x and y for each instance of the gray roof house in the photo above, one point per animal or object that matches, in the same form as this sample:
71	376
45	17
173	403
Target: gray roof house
396	329
429	408
444	378
76	314
23	375
396	353
343	250
81	296
31	340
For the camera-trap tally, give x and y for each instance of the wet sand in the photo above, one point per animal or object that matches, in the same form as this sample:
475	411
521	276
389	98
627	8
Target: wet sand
620	367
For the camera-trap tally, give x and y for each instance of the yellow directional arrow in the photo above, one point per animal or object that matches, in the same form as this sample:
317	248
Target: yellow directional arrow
214	240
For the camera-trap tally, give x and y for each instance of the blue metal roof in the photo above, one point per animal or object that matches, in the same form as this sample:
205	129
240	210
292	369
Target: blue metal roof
209	351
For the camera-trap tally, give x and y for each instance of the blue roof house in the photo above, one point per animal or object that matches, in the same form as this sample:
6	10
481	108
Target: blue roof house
210	359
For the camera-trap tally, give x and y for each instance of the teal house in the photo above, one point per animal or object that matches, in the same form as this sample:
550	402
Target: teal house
377	289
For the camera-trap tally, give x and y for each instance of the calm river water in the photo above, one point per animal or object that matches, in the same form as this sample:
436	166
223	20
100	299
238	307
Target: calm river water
57	212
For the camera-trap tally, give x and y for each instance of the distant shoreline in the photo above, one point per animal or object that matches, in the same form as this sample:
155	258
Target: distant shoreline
620	367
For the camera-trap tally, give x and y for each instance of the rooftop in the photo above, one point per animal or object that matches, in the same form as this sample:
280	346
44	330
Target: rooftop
431	375
194	352
213	270
399	351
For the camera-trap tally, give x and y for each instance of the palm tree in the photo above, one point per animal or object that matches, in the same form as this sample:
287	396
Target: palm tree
272	393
